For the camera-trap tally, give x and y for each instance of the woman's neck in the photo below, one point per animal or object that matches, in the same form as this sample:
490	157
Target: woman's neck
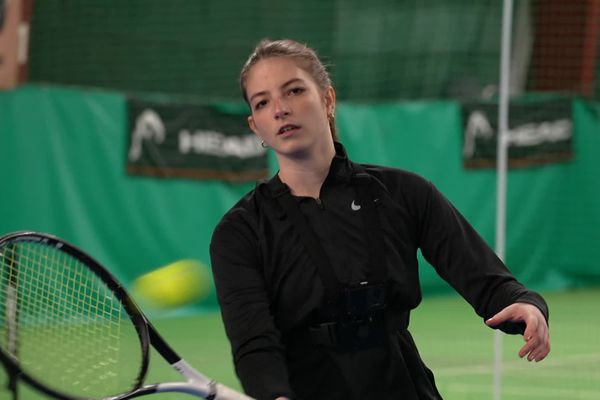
305	176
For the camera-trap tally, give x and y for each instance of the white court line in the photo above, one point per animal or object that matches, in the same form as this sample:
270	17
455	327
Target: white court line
529	391
484	369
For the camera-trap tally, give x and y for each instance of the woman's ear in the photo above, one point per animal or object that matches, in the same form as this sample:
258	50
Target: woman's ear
330	100
252	125
254	129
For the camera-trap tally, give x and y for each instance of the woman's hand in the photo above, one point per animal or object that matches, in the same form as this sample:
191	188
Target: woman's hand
536	335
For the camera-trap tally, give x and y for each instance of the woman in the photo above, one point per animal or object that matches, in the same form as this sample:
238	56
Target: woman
316	269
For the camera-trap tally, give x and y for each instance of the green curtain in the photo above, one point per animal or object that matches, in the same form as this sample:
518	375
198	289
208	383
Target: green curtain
63	155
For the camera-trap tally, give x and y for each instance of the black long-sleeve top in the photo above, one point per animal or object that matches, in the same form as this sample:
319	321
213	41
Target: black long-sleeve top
268	288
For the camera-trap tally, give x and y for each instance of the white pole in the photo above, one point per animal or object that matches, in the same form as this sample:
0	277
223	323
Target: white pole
501	172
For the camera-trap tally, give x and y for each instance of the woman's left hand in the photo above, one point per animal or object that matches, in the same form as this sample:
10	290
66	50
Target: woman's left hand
536	335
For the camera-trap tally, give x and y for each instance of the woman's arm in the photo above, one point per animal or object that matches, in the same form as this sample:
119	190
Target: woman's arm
242	293
464	259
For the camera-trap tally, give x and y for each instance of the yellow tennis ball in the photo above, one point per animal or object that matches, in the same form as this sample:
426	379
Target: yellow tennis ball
173	285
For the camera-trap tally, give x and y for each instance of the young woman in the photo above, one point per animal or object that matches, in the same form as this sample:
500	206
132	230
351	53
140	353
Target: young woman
316	269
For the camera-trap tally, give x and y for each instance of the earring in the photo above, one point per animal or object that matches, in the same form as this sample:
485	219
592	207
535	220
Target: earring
263	144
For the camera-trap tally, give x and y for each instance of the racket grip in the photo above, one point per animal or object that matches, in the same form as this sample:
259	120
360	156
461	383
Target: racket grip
225	393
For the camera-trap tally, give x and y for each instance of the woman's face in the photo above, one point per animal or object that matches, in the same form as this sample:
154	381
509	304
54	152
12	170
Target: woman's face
289	110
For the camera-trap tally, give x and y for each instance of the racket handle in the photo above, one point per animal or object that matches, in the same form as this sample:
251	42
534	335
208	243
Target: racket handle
225	393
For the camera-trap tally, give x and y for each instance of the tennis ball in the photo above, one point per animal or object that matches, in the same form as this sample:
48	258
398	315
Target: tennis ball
176	284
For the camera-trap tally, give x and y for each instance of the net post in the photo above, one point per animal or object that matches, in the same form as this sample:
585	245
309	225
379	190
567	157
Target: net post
501	173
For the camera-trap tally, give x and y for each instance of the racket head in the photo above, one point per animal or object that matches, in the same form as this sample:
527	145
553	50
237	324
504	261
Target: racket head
67	326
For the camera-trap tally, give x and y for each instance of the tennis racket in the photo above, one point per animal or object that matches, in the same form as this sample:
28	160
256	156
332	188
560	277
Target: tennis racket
69	329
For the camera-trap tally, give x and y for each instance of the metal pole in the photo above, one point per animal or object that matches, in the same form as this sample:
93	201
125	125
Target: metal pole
501	172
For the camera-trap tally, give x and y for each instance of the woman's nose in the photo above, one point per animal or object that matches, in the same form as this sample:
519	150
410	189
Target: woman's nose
281	109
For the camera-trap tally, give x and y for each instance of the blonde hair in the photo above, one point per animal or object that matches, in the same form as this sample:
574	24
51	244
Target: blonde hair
305	57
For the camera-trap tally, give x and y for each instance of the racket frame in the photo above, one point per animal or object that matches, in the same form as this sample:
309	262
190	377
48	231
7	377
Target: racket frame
140	322
197	383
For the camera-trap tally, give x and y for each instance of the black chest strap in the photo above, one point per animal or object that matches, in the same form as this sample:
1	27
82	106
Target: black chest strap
313	247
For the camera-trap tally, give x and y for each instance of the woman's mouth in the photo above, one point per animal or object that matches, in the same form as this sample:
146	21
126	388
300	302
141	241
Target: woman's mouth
288	129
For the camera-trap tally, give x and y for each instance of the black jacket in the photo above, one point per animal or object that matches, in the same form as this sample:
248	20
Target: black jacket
269	290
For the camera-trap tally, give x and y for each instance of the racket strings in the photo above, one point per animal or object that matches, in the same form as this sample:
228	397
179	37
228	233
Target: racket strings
72	334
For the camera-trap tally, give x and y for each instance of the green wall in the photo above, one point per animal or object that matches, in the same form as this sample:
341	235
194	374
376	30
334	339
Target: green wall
63	154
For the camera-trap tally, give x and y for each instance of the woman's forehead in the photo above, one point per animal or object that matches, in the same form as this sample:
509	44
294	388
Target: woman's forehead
273	72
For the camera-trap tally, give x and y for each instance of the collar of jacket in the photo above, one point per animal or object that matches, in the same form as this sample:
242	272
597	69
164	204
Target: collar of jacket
340	170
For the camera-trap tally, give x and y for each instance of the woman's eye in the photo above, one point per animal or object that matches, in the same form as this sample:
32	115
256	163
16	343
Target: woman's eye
260	104
296	90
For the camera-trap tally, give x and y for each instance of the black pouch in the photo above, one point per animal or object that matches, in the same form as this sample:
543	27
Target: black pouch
361	324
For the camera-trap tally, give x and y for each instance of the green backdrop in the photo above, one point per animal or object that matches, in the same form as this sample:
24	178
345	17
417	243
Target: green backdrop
63	154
